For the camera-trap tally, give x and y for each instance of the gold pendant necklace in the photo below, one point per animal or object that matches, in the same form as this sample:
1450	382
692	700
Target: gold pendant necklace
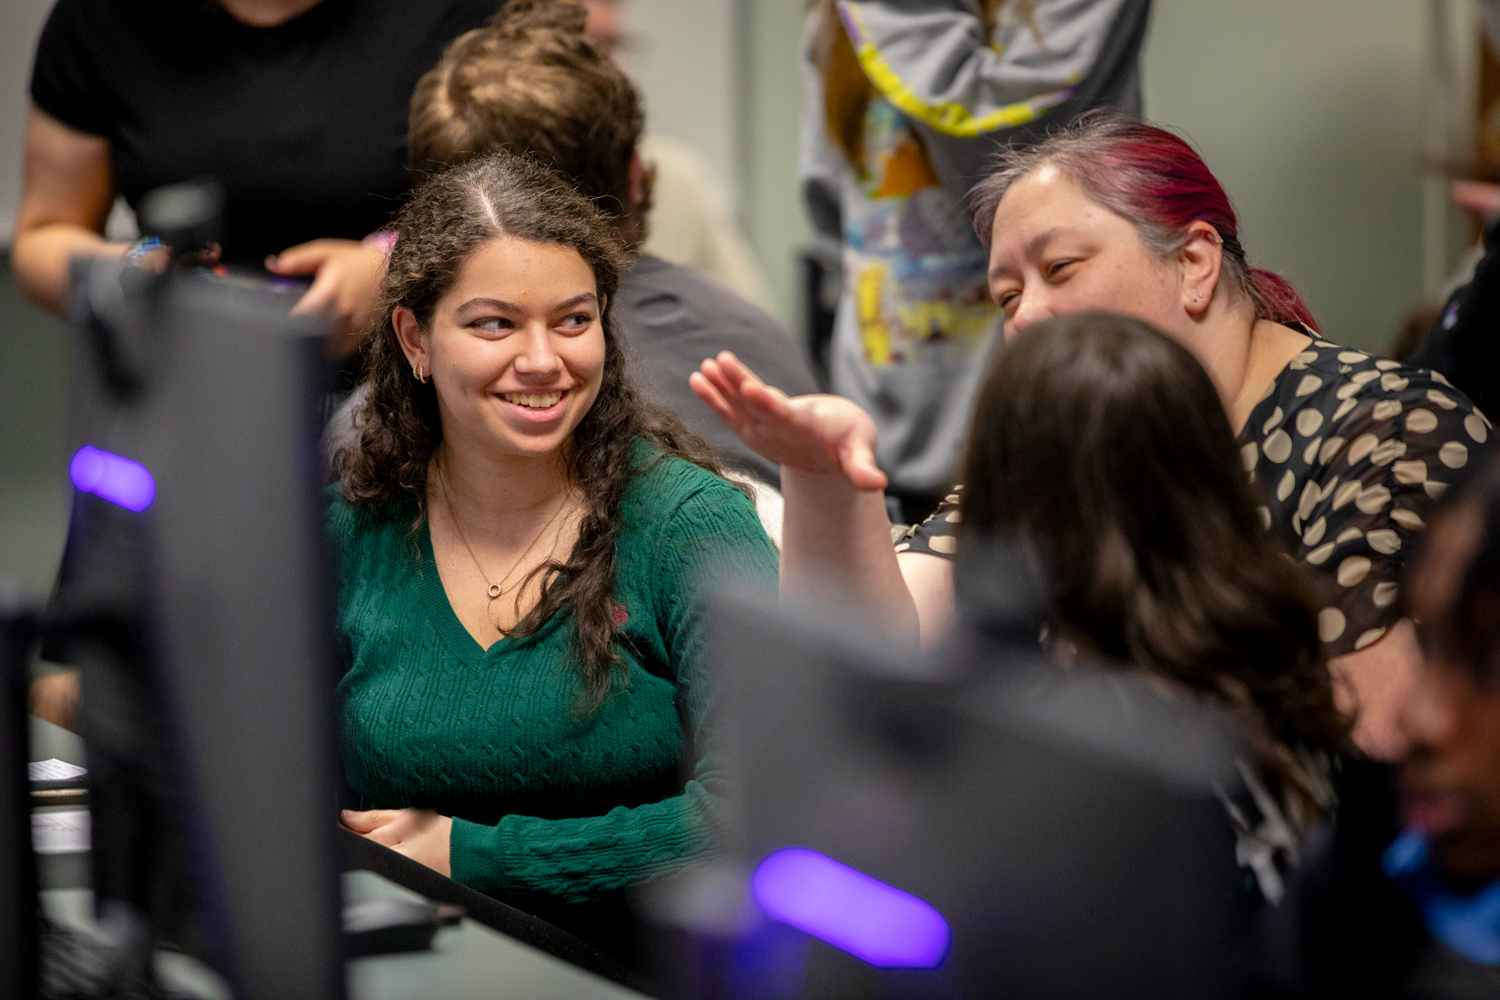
494	590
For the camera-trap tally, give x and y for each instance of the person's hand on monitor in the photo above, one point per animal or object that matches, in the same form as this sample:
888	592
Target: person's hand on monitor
346	284
816	433
420	834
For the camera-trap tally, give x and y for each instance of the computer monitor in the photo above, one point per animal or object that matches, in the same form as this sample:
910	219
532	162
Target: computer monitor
979	821
194	597
19	938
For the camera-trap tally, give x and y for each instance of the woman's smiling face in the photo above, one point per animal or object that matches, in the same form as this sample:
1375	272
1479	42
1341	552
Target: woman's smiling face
1054	251
515	348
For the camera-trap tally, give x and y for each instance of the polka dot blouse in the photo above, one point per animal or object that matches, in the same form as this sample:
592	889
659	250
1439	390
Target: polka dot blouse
1349	452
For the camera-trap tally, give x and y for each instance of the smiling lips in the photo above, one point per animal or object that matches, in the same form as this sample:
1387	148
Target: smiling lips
534	400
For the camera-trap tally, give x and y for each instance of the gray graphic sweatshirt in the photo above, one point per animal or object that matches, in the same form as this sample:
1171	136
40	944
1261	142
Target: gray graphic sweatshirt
915	325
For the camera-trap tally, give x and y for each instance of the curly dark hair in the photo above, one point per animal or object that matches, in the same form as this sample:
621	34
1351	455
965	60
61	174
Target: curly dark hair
1103	446
447	219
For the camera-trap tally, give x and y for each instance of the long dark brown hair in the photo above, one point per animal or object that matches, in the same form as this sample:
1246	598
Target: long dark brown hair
448	218
1103	446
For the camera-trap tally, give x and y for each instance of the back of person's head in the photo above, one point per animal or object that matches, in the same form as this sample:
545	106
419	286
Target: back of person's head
532	83
1157	181
1100	443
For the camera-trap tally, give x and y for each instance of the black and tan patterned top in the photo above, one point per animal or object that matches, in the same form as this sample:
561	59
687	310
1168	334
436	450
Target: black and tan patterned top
1349	452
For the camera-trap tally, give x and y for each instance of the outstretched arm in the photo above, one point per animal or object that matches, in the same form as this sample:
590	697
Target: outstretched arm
835	528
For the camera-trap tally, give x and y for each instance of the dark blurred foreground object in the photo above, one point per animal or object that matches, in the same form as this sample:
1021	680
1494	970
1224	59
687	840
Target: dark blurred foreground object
192	597
1464	344
1347	930
19	938
976	822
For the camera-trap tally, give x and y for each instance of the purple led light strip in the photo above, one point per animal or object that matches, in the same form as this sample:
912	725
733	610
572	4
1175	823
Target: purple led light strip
115	478
864	916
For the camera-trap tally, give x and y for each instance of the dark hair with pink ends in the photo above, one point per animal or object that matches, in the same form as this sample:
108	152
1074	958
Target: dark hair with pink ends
1156	180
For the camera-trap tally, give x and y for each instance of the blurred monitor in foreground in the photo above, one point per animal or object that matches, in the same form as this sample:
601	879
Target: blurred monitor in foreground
192	597
976	822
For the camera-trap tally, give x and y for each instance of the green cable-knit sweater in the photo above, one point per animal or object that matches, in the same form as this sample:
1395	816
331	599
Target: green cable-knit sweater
548	799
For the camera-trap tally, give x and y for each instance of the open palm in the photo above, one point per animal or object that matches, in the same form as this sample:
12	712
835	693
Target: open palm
816	433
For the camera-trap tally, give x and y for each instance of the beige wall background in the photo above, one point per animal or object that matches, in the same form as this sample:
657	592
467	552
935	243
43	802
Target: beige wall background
20	23
1314	113
1316	116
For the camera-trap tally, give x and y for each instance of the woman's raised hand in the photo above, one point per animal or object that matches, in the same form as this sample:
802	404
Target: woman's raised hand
817	433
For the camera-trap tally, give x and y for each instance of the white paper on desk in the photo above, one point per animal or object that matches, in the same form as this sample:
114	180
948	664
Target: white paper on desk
65	831
53	770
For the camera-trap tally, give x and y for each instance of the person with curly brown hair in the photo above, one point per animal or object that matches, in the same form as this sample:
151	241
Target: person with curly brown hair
533	82
526	546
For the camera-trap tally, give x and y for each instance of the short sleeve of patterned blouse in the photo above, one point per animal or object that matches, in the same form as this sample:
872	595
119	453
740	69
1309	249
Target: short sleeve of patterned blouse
1349	453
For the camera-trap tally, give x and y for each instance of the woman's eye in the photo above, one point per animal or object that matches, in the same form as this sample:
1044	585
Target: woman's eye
1057	268
495	323
1007	300
578	321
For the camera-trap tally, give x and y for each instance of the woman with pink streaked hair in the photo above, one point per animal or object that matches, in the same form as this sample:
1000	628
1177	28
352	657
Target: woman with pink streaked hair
1114	214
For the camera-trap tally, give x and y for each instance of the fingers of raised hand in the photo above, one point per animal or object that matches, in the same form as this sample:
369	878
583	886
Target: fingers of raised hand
704	388
736	370
857	459
722	380
767	399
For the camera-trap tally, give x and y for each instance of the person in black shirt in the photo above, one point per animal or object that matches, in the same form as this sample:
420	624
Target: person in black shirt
297	107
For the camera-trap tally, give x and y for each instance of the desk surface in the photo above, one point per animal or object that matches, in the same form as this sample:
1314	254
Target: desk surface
469	960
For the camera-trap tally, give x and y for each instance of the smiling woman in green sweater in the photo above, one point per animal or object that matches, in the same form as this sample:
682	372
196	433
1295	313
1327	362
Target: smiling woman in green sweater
525	552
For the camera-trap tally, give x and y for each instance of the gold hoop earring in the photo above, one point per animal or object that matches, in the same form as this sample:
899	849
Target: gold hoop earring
416	373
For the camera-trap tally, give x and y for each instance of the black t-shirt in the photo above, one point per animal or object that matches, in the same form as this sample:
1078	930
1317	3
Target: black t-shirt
673	318
303	123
